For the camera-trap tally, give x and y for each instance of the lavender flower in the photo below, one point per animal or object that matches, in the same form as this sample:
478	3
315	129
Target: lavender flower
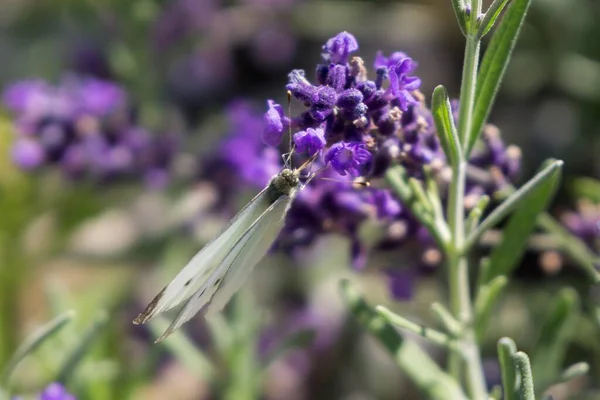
311	141
386	62
276	122
358	127
84	126
55	391
338	49
401	85
347	157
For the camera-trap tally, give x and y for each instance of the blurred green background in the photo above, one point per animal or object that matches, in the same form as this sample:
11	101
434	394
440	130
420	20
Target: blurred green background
103	250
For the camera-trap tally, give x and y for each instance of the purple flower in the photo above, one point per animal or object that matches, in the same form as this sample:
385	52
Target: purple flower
55	391
275	123
392	60
401	283
27	153
387	206
339	48
584	222
84	126
99	97
310	140
21	95
401	85
347	157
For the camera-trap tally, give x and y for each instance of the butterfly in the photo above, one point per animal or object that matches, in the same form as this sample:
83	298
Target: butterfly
220	268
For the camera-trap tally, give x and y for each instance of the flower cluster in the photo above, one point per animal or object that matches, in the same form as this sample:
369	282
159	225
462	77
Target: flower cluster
355	128
86	127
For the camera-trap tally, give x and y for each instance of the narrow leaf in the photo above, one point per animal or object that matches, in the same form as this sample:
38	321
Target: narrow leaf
486	299
183	349
554	337
506	351
444	123
86	340
426	374
33	342
523	366
491	15
403	323
450	324
533	198
550	173
298	340
493	66
461	16
574	247
574	371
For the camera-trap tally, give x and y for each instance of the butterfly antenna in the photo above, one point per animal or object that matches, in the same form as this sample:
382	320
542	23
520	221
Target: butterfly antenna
356	183
287	162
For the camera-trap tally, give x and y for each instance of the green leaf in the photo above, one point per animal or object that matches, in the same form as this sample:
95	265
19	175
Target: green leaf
547	175
33	342
493	66
88	339
183	349
444	317
526	388
298	340
461	16
491	15
506	352
486	299
444	123
554	337
533	198
426	374
399	321
574	371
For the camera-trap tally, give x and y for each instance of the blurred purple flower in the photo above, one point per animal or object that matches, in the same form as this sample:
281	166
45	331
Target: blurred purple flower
386	205
86	127
311	141
584	222
27	153
22	95
401	283
275	123
347	157
55	391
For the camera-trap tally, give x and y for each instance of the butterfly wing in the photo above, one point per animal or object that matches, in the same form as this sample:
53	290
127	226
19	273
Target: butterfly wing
205	263
235	268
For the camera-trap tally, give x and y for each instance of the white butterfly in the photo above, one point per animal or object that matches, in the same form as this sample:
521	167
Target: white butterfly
217	271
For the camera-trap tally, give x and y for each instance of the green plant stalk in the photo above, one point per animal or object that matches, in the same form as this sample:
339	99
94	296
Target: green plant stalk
458	267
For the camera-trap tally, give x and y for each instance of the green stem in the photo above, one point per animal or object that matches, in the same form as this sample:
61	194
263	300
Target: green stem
459	291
